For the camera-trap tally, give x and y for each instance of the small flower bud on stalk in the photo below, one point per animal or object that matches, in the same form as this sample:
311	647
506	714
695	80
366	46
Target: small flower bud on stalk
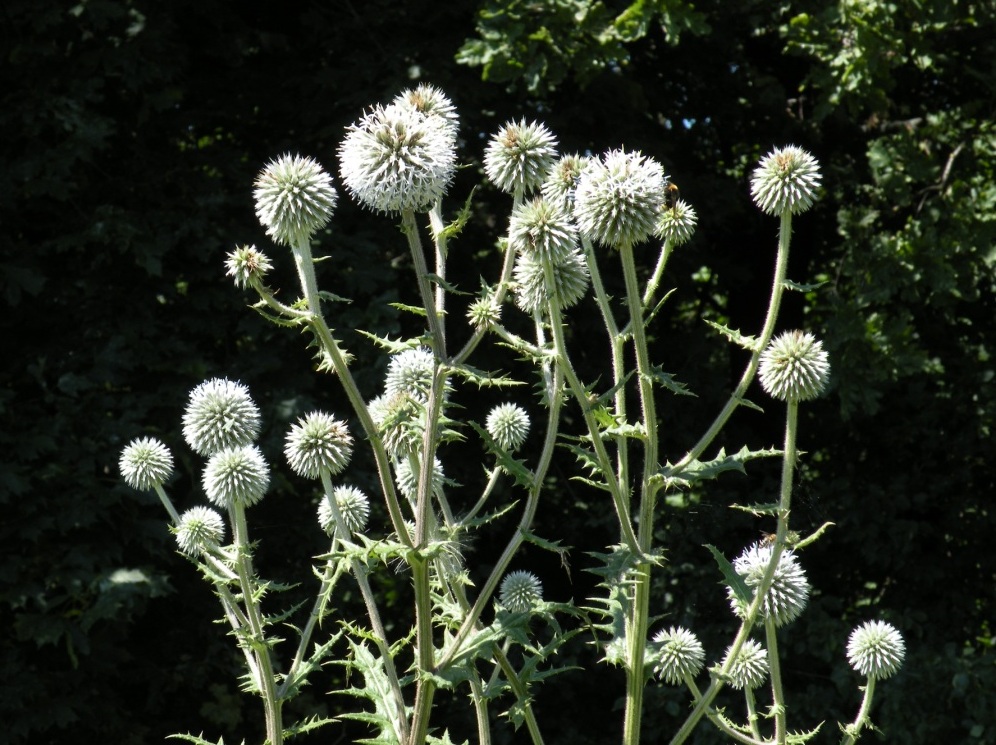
237	476
750	667
520	591
247	265
876	649
146	464
353	505
200	528
508	424
570	277
789	591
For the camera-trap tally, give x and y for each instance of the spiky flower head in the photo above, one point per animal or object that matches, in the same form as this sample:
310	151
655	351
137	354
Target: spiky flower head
294	198
219	414
520	591
794	367
789	591
563	178
430	101
400	420
677	224
146	463
619	197
750	667
200	528
570	277
353	506
484	313
408	478
786	180
410	372
876	649
247	264
519	156
318	442
236	476
543	227
508	424
396	158
680	655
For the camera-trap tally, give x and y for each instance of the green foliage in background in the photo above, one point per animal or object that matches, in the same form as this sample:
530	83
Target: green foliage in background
131	132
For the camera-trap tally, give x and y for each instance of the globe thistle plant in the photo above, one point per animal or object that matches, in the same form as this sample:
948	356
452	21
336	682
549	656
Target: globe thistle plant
508	424
396	158
146	463
294	198
876	649
247	264
430	101
542	227
789	591
570	276
750	667
563	178
794	367
353	506
619	197
318	442
220	414
520	591
519	156
785	181
236	476
680	655
677	225
200	528
410	373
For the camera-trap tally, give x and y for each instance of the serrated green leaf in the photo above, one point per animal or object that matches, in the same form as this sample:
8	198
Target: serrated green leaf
437	280
331	296
393	347
482	378
196	739
747	342
667	380
701	470
733	580
790	285
757	510
517	469
417	310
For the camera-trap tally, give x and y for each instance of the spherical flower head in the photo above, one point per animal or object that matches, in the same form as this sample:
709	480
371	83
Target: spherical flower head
353	505
236	476
247	264
789	591
484	313
794	367
318	442
519	156
750	667
619	198
396	158
785	180
220	414
408	478
508	424
520	591
680	655
563	178
146	463
410	372
677	225
400	421
876	649
430	101
294	198
200	528
570	277
543	227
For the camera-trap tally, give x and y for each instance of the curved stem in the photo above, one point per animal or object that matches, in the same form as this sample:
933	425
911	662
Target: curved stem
655	278
853	730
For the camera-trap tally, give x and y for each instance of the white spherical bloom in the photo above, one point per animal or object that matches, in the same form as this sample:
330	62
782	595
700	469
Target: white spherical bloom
563	178
508	424
353	505
219	414
408	479
786	180
876	649
543	227
236	476
247	263
750	668
318	442
146	463
789	591
619	198
410	372
294	198
199	528
680	654
430	101
794	367
520	591
396	158
677	224
570	276
519	156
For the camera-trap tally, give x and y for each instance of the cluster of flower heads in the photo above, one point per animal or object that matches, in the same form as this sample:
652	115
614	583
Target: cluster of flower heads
399	412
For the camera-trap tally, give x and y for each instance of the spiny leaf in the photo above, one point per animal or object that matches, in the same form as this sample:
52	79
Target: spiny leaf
453	229
657	375
331	296
733	580
483	378
757	510
417	310
196	739
307	725
393	347
789	284
698	470
747	342
517	469
437	280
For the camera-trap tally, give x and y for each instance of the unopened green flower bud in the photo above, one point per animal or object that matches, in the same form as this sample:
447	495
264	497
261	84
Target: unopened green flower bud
563	178
247	263
200	528
520	591
543	227
408	478
508	424
430	101
410	372
677	224
146	463
570	276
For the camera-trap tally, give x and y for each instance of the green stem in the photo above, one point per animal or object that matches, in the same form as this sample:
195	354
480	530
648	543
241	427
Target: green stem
433	313
655	278
737	397
853	730
168	504
775	671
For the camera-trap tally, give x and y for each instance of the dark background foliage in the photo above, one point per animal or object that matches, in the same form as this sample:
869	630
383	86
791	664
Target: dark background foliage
130	134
